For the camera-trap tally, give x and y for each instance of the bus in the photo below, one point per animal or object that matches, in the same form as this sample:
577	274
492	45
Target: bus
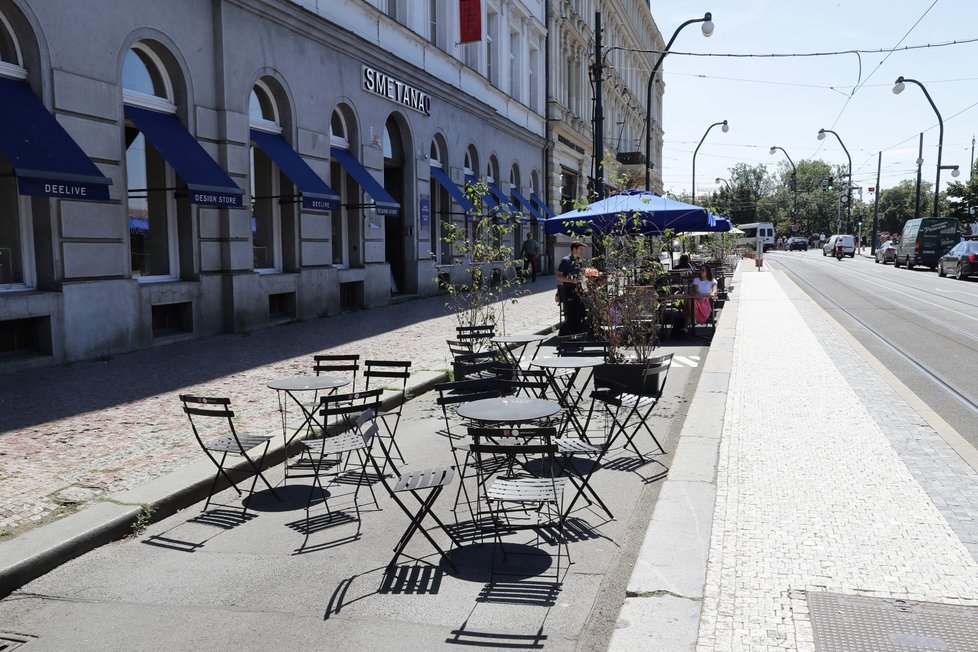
751	232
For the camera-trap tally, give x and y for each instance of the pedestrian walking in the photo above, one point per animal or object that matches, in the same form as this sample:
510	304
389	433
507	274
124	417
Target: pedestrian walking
569	278
531	256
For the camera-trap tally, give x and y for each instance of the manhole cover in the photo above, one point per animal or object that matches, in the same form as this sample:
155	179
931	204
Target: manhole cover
849	623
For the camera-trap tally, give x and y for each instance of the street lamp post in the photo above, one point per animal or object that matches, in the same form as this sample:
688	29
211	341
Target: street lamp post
725	182
898	87
821	136
707	28
794	183
725	127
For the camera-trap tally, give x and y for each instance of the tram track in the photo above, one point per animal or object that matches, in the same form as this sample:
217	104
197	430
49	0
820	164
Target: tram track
933	376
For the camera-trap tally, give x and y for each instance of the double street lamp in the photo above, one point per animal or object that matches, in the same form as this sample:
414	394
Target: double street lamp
848	195
898	87
707	28
725	127
794	182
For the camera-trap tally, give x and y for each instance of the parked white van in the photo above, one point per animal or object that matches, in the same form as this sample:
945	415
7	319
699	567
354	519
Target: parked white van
755	230
848	245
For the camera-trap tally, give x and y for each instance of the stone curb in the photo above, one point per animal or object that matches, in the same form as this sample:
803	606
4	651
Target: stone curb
43	549
664	595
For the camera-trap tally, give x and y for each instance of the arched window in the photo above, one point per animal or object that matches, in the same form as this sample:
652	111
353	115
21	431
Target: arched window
338	133
16	261
471	161
492	170
153	242
514	177
266	210
441	205
393	147
346	223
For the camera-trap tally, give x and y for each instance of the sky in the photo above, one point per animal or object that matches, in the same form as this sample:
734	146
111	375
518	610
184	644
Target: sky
785	101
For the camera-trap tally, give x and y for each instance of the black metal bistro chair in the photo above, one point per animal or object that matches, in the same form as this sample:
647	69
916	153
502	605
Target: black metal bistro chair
424	486
338	365
479	336
390	374
511	488
212	415
628	408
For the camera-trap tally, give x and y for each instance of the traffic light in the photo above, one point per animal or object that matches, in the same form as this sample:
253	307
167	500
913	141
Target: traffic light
829	183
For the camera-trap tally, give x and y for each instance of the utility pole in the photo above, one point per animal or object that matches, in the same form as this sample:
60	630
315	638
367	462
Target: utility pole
598	112
920	161
876	207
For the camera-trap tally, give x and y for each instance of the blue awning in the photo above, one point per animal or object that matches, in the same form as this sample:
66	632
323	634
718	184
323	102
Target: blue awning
502	200
316	194
543	206
45	159
527	206
207	183
457	193
383	202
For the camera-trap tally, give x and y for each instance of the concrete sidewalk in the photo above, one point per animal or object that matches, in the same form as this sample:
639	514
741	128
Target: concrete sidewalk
804	466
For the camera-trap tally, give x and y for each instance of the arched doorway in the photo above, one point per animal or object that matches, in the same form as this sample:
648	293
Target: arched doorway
398	236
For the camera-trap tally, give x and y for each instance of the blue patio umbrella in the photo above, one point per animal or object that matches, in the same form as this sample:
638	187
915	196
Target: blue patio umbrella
648	214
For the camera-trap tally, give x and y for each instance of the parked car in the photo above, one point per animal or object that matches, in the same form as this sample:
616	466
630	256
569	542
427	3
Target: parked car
848	245
797	244
925	239
886	253
961	261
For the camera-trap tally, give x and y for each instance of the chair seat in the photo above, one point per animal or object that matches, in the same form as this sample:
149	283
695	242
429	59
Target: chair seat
332	445
572	445
227	443
526	489
425	479
623	399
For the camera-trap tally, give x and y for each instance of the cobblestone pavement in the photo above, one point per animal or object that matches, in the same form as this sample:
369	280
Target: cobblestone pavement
71	434
822	492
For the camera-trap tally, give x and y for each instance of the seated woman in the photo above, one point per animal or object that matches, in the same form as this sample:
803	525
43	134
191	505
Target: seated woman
705	289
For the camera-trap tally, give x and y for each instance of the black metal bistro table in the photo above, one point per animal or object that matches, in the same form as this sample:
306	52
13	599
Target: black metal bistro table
512	347
509	409
566	395
288	390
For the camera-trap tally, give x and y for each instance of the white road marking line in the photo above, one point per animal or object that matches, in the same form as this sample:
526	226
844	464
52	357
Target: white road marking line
684	360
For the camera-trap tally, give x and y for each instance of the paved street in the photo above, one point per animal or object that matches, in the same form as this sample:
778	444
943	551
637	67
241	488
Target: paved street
72	434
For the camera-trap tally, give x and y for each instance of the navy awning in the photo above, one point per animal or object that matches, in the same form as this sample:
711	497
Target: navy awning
383	202
316	194
547	213
457	193
45	159
502	200
527	206
207	183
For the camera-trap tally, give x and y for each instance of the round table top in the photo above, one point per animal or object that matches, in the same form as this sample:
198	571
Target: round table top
519	339
567	362
307	383
509	409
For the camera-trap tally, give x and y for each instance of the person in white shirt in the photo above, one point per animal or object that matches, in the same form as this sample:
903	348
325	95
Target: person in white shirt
705	289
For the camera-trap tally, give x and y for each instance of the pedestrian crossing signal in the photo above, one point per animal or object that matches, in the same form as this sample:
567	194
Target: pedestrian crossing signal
872	189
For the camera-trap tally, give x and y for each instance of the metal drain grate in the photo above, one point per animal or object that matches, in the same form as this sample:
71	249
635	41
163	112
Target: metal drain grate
10	642
850	623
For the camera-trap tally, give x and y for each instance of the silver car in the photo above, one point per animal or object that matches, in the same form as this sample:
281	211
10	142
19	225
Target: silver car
886	253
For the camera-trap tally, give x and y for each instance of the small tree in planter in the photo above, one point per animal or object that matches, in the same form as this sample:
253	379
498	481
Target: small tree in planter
491	277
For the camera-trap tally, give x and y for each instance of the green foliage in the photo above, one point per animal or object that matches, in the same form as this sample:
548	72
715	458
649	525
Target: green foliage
960	197
490	274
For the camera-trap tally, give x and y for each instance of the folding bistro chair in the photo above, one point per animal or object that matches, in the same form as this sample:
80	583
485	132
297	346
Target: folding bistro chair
392	374
332	365
517	487
338	413
517	381
459	347
478	336
323	456
217	411
475	365
433	480
629	407
574	345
